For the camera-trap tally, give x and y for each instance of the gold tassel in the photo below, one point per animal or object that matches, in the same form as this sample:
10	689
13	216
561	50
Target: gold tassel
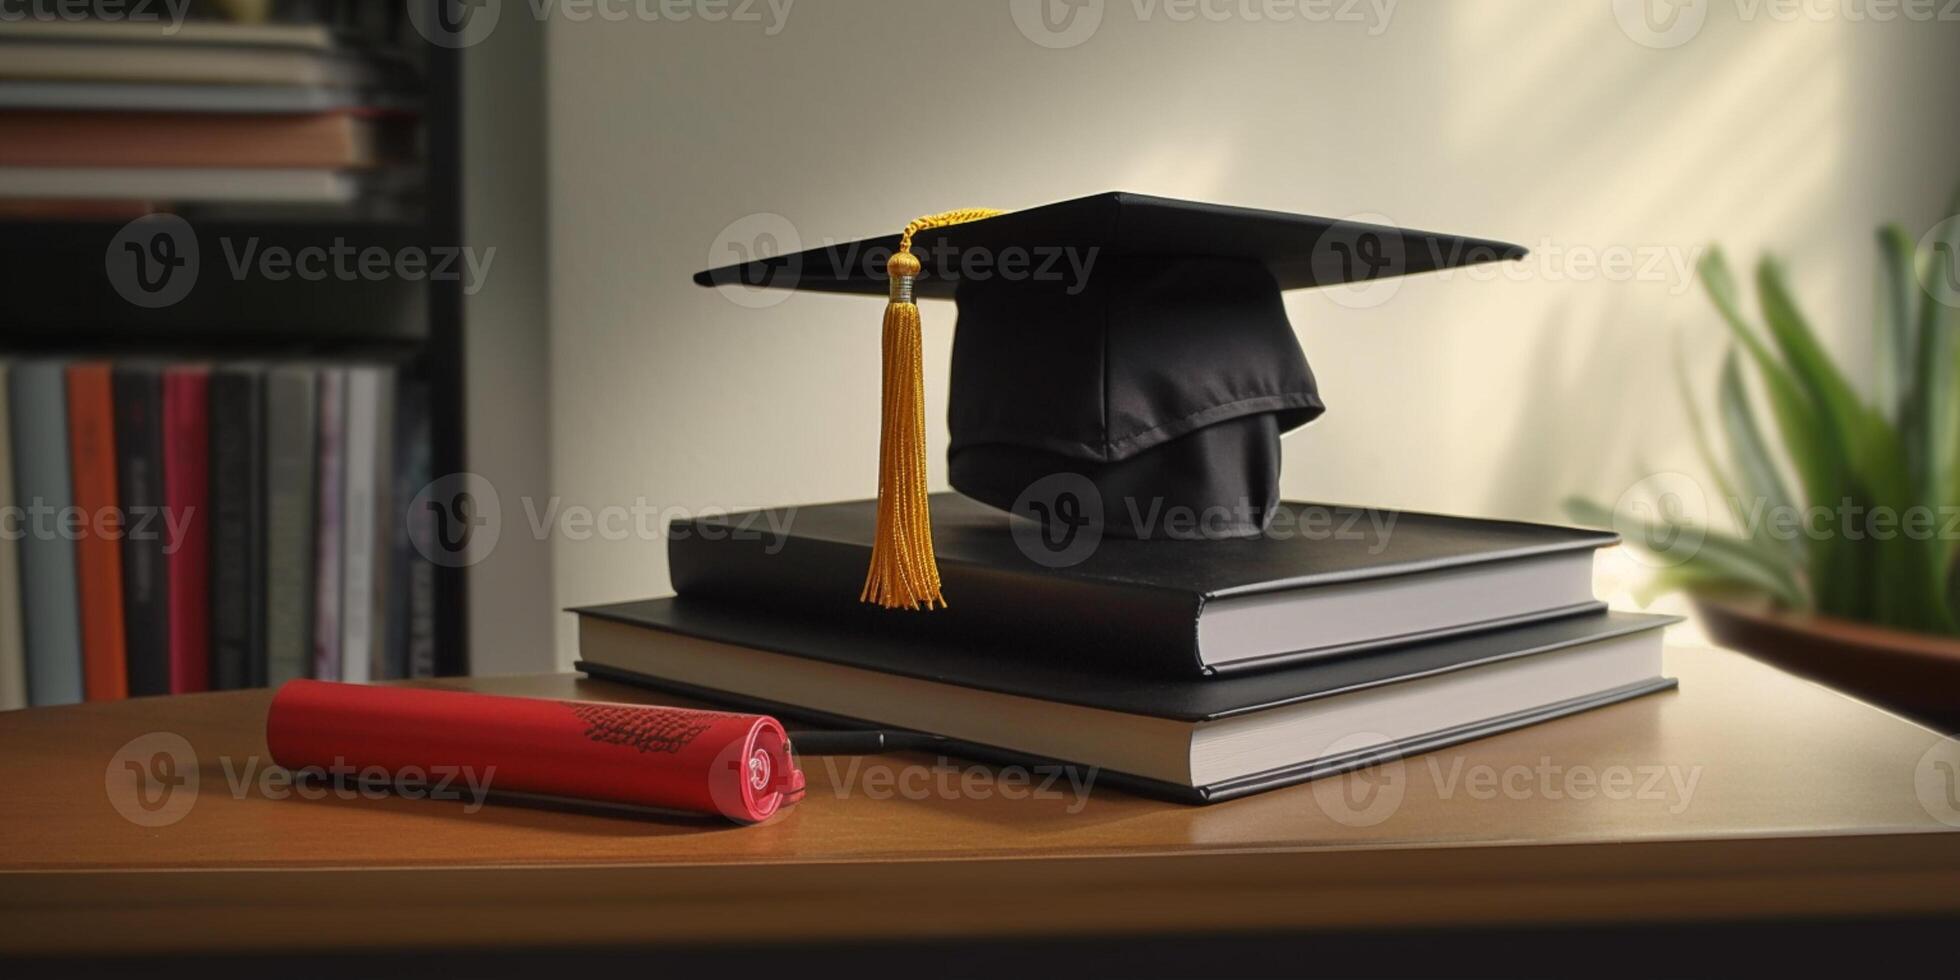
904	574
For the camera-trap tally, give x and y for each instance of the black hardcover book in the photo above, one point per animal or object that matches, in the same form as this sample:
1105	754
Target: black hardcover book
1323	580
1194	739
138	398
238	527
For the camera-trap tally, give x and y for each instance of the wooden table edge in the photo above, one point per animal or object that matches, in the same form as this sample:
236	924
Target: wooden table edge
516	905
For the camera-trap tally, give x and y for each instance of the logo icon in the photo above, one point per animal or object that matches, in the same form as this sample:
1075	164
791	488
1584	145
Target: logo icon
1057	24
1939	274
1368	795
1361	262
152	261
1660	24
1667	513
751	240
454	23
152	779
455	520
1936	781
1063	520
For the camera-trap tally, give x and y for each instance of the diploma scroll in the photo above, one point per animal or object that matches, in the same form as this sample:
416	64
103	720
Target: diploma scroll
735	765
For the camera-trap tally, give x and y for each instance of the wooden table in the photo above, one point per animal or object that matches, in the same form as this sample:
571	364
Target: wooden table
1746	795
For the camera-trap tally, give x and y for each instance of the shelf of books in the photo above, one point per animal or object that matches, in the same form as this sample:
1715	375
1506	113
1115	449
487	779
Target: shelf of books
230	347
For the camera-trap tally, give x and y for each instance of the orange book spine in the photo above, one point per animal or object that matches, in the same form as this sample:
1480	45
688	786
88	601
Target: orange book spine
98	542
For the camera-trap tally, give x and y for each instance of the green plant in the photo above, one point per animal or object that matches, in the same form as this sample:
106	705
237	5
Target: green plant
1873	482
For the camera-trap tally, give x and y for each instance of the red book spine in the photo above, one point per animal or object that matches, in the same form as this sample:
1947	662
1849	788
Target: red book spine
98	544
186	499
736	765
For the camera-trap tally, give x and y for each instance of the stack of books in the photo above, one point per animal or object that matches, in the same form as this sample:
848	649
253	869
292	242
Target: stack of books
100	118
1194	670
186	526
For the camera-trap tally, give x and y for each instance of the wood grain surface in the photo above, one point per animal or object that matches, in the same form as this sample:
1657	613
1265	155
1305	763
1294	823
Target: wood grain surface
1746	794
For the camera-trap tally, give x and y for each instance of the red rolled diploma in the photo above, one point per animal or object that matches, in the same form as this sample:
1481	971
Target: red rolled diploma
735	765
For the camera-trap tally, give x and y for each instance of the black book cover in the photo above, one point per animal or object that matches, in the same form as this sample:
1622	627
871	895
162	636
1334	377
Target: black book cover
238	528
138	399
1128	604
979	665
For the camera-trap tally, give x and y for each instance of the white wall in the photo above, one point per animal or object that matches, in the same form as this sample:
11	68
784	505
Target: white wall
1537	122
507	346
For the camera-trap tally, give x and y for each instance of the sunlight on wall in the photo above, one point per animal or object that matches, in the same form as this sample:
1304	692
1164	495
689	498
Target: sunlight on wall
1733	139
1496	391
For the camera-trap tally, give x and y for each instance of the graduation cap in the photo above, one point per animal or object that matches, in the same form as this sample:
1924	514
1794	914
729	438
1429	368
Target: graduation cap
1133	347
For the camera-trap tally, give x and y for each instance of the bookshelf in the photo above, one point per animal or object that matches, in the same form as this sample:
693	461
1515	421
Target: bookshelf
60	299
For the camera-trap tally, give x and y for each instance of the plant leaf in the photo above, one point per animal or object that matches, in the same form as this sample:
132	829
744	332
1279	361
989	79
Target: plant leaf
1716	278
1760	477
1848	576
1814	449
1699	429
1893	333
1933	445
1808	361
1817	465
1723	555
1933	438
1922	418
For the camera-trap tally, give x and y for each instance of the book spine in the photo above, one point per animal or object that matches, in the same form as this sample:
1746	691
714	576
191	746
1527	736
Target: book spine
329	534
422	617
358	520
64	61
164	139
237	504
139	479
186	501
1025	613
204	184
98	544
291	480
160	97
411	600
13	526
384	582
51	622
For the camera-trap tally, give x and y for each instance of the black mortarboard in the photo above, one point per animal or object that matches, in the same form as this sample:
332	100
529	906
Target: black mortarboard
1135	345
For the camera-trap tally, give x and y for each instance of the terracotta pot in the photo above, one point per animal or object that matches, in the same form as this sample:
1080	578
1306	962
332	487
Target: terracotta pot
1914	674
